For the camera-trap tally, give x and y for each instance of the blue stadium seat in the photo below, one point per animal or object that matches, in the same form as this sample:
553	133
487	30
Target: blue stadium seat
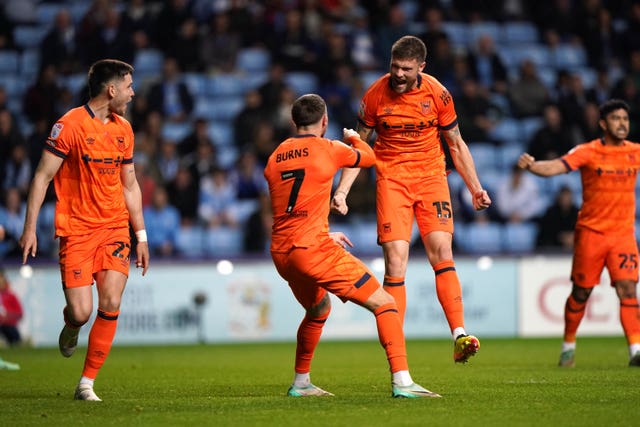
227	155
9	60
223	242
218	108
548	76
148	63
458	33
253	59
509	154
368	77
479	238
176	132
568	56
197	83
74	82
226	85
513	55
46	12
29	64
29	36
520	237
529	126
13	84
490	28
519	32
221	132
588	75
302	82
507	131
485	156
190	242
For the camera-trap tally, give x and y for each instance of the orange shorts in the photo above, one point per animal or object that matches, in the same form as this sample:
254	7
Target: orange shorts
311	272
593	251
398	201
83	256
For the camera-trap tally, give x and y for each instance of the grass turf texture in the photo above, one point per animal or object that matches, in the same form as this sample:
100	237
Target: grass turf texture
510	382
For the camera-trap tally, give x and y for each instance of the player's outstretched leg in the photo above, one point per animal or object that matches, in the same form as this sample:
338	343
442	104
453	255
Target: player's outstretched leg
68	340
464	347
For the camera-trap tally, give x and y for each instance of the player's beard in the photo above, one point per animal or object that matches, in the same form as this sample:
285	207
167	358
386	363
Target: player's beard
402	85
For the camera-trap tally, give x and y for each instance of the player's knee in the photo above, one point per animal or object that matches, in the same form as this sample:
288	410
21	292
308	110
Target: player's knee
625	288
580	294
322	309
78	316
379	298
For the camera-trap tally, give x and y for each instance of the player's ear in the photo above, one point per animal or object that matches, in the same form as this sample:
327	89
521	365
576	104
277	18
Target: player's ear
421	66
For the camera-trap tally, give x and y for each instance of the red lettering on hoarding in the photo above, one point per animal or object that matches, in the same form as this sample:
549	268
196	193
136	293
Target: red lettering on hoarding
591	312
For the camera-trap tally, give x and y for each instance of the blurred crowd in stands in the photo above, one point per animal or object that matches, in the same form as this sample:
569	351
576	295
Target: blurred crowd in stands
215	79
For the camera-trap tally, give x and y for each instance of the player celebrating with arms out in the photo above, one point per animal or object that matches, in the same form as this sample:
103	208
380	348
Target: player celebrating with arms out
409	110
313	261
89	157
605	231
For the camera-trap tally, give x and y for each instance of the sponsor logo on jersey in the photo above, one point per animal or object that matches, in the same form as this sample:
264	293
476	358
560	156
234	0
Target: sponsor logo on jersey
55	131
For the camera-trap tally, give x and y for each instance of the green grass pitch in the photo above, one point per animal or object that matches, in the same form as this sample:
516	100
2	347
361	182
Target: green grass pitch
511	382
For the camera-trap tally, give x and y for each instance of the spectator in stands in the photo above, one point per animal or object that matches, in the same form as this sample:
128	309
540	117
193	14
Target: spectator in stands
185	47
10	312
35	140
218	199
10	136
557	16
12	218
573	101
263	142
555	137
6	30
247	120
168	21
338	93
183	194
335	54
589	127
201	161
40	99
433	19
601	90
200	133
257	231
167	161
441	62
291	46
137	20
220	45
171	96
518	197
557	225
486	66
162	222
528	95
59	46
394	26
249	183
282	110
18	170
271	89
476	114
147	181
363	50
113	39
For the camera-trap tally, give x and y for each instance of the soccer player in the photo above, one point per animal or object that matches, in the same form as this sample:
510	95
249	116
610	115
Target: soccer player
409	110
89	157
313	261
605	230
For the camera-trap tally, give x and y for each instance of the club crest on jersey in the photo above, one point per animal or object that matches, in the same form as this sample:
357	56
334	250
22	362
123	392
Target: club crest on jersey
426	107
55	131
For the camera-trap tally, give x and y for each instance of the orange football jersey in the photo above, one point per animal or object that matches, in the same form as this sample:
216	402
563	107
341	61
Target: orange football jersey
88	187
408	126
300	174
608	176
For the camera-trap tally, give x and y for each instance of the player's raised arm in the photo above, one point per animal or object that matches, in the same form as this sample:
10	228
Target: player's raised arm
541	167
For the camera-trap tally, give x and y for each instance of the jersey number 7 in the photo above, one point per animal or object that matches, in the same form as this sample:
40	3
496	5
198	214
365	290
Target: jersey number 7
298	176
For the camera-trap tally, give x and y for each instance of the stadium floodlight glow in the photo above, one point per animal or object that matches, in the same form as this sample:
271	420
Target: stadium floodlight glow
484	262
377	265
224	267
26	271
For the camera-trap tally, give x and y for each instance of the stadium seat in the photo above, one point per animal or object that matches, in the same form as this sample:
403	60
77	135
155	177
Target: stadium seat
227	155
221	132
223	242
148	63
519	32
530	125
520	237
509	154
190	242
176	132
302	82
197	83
548	75
74	82
506	131
479	238
458	33
29	36
490	28
13	84
368	77
256	79
588	75
253	59
218	108
485	156
29	64
9	60
231	84
569	57
46	12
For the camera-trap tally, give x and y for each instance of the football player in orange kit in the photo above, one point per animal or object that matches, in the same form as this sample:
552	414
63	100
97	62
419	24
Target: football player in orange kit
314	261
605	231
409	110
89	157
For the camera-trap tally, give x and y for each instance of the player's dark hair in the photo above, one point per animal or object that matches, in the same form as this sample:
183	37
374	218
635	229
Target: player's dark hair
409	47
307	110
104	71
612	105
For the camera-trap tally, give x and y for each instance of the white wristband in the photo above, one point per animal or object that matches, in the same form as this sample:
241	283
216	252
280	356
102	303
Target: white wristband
141	235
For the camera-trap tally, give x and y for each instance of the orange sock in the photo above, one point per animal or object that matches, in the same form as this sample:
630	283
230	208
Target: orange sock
395	287
100	340
449	293
573	313
391	336
630	319
309	333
